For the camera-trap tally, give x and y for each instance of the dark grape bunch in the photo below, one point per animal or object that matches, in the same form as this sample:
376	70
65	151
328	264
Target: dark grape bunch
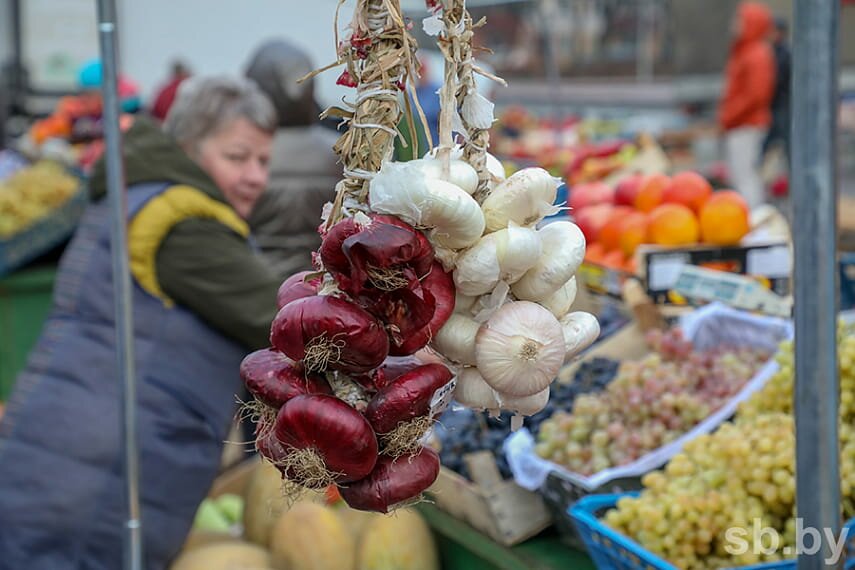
463	431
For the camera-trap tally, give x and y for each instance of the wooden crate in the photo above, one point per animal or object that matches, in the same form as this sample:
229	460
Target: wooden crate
498	508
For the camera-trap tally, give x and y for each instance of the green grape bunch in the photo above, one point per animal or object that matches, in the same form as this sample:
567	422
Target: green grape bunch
738	477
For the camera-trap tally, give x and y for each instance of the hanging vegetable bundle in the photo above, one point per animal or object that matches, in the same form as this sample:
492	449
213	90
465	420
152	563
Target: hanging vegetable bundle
439	255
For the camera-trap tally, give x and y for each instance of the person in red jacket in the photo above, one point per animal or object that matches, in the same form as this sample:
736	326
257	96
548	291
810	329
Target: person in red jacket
166	95
745	110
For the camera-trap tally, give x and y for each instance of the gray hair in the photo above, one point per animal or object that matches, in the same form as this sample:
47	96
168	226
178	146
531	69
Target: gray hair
204	105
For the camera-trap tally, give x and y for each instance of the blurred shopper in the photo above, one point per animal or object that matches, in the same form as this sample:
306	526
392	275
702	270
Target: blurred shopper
4	111
201	300
303	166
166	95
427	90
779	131
745	114
89	78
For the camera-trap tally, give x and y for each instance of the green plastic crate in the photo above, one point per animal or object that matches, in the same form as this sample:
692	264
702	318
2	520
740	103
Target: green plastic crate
25	300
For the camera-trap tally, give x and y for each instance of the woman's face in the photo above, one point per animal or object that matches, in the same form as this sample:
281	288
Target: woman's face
236	157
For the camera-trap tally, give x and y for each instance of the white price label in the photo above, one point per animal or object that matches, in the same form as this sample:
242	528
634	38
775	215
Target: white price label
770	262
665	270
442	398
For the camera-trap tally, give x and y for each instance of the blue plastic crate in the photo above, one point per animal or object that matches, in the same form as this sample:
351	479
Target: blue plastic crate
611	550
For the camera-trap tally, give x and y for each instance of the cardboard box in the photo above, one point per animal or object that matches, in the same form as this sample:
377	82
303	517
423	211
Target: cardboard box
497	507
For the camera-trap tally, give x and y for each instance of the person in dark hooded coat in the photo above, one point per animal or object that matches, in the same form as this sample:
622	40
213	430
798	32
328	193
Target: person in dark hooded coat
304	169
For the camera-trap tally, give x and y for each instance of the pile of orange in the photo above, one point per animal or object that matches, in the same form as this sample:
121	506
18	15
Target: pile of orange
669	211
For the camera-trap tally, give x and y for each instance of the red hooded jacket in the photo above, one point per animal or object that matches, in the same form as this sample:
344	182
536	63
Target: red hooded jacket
750	73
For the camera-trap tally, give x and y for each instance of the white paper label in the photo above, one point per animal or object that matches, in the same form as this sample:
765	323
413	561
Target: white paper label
769	262
665	270
442	398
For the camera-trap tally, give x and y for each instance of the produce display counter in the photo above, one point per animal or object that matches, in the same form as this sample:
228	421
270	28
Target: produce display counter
463	548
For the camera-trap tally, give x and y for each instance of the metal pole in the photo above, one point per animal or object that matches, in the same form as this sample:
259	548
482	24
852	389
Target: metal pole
814	130
551	64
18	76
642	73
133	555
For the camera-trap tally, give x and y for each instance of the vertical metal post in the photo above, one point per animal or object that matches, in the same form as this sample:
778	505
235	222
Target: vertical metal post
18	78
121	278
551	63
643	41
814	177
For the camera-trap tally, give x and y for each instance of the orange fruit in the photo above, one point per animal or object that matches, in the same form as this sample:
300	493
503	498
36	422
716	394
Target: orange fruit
613	259
631	265
611	231
652	192
673	224
733	196
592	219
724	218
594	252
688	188
633	232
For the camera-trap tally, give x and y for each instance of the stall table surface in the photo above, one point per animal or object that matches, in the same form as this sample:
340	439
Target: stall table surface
464	548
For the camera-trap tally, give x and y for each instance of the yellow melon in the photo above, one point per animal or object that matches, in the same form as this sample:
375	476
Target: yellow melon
310	536
236	555
400	541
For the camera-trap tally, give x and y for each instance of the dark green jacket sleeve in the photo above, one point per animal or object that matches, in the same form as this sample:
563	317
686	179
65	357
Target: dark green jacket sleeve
213	271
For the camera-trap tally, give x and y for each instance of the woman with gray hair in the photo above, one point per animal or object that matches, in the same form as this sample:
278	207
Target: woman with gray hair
202	299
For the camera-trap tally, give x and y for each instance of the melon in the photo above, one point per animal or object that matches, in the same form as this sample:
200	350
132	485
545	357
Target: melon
400	541
312	537
355	521
264	503
235	555
199	538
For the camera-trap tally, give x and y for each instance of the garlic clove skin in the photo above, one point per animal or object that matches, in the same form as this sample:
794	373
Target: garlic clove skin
463	303
496	169
580	331
460	173
454	215
456	152
560	302
402	190
487	305
517	250
456	339
447	257
505	255
477	111
526	405
494	165
525	198
473	392
520	350
563	246
478	269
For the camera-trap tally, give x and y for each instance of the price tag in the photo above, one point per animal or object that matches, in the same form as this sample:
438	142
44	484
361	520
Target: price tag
770	262
665	270
442	398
